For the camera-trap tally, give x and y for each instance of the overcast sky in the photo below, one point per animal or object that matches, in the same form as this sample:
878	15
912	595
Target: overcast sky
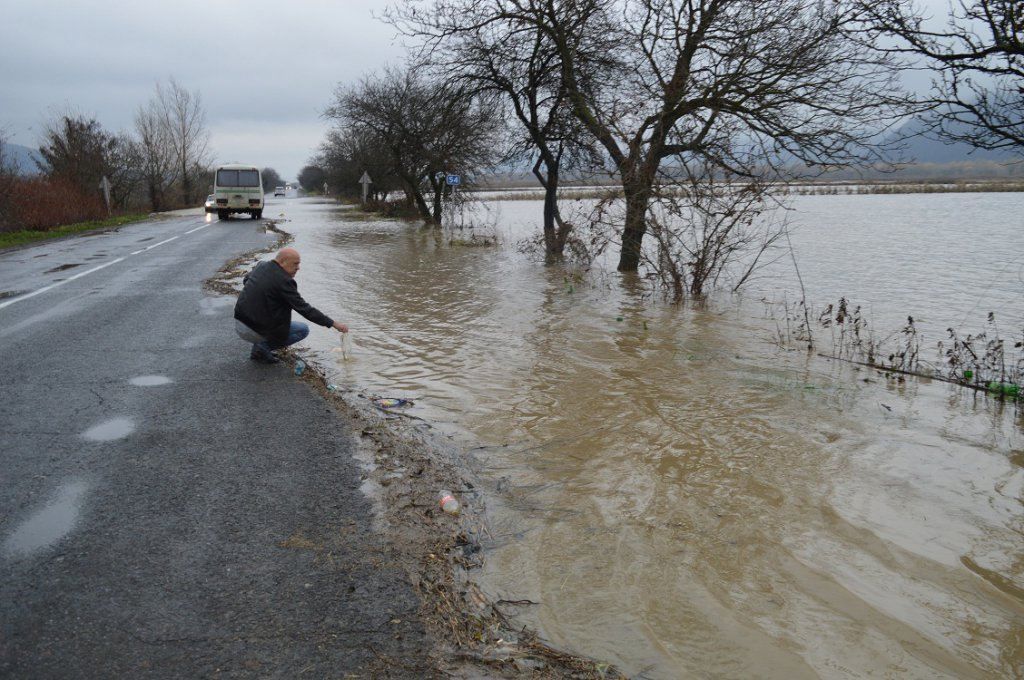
265	70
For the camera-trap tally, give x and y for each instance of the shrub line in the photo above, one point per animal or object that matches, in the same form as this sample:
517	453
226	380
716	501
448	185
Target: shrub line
13	239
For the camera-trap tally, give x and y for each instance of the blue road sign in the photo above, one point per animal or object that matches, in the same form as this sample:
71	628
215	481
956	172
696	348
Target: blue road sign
454	180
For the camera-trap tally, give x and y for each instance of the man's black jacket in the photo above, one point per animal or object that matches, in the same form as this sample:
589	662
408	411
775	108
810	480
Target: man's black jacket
268	297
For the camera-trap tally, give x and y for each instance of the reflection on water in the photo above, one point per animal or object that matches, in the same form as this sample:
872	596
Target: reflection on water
681	497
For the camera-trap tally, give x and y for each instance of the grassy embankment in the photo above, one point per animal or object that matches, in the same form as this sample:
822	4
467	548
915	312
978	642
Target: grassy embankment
18	238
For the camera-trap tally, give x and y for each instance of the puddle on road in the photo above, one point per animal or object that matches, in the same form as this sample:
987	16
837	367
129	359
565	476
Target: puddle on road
212	306
48	525
116	428
11	293
63	267
150	380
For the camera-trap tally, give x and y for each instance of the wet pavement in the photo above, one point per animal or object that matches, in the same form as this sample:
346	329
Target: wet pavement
168	508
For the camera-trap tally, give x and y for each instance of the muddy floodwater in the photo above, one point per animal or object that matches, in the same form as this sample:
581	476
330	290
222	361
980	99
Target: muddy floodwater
675	493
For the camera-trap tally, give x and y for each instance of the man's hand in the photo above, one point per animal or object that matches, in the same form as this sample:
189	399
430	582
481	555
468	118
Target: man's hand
342	328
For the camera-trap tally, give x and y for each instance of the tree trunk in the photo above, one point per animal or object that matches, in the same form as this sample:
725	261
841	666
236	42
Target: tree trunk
186	185
552	247
438	188
421	204
638	194
554	240
154	196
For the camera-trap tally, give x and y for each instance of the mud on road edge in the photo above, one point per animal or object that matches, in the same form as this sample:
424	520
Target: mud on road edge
473	636
226	280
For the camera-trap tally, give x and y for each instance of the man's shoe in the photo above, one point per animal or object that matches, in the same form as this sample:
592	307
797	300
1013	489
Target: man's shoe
261	358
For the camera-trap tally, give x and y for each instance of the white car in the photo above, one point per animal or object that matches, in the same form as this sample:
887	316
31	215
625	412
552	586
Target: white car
211	204
279	191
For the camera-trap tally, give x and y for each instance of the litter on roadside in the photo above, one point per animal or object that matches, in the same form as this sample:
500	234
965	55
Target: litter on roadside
390	402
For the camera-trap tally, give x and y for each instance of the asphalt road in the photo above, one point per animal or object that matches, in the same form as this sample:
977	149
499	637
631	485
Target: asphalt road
169	508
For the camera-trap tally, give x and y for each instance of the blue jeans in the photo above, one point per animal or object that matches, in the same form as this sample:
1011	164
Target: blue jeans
297	332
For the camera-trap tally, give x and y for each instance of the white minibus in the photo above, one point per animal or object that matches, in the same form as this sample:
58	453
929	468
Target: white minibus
238	189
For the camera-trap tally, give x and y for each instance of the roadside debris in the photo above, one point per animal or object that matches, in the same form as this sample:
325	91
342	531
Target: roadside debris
448	502
390	402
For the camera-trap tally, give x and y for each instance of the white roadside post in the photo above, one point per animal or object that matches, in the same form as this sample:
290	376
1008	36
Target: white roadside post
105	188
366	182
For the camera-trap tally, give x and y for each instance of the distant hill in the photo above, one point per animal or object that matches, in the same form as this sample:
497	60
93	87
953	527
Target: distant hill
23	158
923	148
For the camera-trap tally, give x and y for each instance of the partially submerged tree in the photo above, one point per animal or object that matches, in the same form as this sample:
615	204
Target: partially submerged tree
673	82
523	67
709	229
346	153
428	128
978	58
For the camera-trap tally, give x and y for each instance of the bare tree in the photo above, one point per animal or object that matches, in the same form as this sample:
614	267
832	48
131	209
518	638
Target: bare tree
125	170
76	149
347	153
523	67
184	119
707	228
311	178
271	179
675	81
156	153
427	128
978	58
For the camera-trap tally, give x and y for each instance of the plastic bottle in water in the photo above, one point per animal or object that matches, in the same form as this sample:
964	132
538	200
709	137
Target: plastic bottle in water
448	503
346	345
300	366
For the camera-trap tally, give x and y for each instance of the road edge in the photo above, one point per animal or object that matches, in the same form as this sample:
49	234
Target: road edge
471	633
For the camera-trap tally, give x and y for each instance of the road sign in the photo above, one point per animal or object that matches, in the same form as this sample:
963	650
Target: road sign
366	182
454	180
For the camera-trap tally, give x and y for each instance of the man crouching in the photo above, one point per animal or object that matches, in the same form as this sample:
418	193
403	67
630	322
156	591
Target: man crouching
263	313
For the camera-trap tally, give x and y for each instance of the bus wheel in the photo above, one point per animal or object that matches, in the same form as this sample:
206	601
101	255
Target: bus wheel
257	215
222	214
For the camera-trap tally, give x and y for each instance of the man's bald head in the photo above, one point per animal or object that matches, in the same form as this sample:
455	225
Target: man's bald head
288	259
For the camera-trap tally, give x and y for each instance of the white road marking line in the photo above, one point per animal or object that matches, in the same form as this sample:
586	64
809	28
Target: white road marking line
159	244
79	275
142	250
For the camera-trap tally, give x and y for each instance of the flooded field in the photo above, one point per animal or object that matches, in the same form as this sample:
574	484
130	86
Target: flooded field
676	494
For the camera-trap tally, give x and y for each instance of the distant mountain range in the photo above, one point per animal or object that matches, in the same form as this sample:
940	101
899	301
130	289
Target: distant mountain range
918	149
22	157
921	149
